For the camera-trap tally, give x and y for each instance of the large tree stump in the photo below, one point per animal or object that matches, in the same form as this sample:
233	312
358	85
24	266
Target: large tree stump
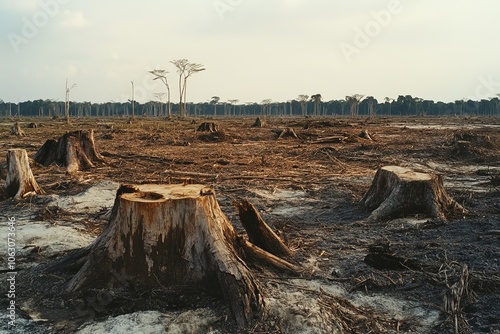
20	181
76	150
398	192
169	235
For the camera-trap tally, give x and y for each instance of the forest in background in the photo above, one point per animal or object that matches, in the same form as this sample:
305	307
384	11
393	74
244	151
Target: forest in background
356	105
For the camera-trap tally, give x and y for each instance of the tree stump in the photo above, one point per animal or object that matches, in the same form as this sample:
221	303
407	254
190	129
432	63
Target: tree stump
365	134
398	192
169	236
208	127
258	123
16	130
76	150
20	181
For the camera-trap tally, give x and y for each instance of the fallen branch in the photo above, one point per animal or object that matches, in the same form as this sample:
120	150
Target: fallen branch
262	256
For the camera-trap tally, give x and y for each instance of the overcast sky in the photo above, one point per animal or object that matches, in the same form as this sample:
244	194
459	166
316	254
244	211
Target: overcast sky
252	49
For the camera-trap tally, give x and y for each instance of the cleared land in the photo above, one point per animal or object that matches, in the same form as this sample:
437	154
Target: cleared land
408	274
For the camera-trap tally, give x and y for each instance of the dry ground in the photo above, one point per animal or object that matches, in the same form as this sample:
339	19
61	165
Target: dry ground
307	188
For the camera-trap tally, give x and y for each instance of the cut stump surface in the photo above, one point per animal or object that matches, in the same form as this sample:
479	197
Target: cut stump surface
171	235
399	192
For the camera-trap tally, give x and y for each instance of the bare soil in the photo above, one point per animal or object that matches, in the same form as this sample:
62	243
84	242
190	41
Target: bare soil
307	188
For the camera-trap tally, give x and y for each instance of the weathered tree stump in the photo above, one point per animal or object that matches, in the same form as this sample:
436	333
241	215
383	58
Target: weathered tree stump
398	192
170	236
208	127
20	181
258	123
76	150
16	130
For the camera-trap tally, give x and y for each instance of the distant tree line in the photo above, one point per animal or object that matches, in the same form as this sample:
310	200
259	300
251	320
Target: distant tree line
303	105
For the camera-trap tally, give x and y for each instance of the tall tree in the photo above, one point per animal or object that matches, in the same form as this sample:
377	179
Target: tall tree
266	106
214	101
405	103
372	104
160	97
162	76
132	101
66	104
353	102
389	101
496	105
185	69
316	99
419	110
302	99
290	103
233	103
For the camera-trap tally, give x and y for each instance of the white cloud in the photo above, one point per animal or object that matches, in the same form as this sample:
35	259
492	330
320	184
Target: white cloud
70	19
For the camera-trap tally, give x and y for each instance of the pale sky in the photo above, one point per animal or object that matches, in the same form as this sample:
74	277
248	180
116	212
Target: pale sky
252	49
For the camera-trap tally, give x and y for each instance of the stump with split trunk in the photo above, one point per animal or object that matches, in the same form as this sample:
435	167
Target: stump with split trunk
16	130
398	192
76	150
20	181
173	236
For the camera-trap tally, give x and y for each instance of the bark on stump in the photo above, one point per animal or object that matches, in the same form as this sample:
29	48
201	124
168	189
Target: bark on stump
170	235
76	150
208	127
20	181
258	123
16	130
398	192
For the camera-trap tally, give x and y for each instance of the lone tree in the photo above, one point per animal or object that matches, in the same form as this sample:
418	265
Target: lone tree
185	69
132	101
177	236
162	76
66	103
